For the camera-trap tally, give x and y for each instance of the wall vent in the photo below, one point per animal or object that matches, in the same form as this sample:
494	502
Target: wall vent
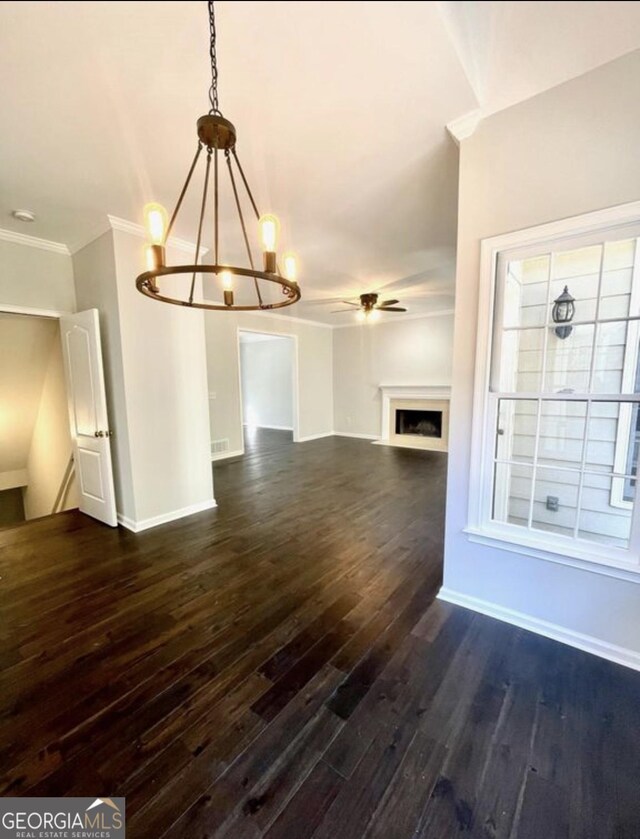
218	446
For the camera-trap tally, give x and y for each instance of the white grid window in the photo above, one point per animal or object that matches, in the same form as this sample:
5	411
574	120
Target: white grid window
561	418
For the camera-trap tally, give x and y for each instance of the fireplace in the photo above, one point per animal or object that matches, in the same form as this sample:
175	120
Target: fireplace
424	423
415	417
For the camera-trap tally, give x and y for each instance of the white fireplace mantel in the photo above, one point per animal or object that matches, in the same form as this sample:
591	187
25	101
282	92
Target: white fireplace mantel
415	391
431	393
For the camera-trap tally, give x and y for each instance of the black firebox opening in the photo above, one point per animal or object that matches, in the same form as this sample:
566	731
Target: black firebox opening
422	423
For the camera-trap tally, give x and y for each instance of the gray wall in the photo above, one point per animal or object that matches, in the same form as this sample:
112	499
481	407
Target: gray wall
266	369
95	270
36	278
570	150
51	447
25	350
314	362
407	352
155	371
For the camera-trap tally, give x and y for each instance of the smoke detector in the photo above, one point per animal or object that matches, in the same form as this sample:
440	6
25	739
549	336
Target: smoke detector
24	215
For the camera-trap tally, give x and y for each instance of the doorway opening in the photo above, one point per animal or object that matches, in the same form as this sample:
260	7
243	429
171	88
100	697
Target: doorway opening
268	390
37	476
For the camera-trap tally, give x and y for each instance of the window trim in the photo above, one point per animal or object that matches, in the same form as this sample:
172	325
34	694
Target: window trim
480	527
630	365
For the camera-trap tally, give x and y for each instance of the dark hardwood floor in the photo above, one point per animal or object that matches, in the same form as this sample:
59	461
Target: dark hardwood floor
278	668
261	441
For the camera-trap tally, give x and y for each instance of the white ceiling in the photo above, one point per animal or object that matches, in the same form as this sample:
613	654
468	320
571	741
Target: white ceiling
340	108
514	50
25	350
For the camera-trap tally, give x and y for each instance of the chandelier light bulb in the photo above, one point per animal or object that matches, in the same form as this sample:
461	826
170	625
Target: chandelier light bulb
290	267
227	287
269	233
374	315
156	223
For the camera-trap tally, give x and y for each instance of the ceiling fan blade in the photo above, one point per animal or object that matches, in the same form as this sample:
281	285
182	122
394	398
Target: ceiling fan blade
335	311
388	303
349	303
391	309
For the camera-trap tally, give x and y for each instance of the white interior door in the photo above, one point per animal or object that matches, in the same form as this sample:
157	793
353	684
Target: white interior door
88	414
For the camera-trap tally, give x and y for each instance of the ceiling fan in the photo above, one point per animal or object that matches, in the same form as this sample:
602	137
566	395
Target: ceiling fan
369	309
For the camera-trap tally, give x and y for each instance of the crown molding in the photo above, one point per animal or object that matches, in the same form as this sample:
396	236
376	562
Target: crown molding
98	231
133	229
138	230
270	314
464	126
396	319
33	242
294	318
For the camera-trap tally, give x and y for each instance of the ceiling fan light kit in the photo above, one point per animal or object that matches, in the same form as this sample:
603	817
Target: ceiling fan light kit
369	309
217	136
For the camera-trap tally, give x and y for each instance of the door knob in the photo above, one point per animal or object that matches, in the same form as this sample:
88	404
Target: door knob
98	433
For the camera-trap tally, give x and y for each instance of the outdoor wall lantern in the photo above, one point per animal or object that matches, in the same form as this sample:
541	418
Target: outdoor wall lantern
563	312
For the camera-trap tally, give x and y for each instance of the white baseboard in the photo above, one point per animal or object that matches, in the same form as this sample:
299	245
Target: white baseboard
356	436
269	427
314	437
146	524
225	455
587	643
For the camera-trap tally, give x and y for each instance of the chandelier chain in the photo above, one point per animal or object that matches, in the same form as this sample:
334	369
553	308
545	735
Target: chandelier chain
213	90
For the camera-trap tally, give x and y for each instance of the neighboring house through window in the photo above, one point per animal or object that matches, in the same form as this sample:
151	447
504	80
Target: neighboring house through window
558	430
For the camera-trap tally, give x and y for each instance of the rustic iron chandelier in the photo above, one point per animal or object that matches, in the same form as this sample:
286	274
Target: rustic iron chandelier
217	136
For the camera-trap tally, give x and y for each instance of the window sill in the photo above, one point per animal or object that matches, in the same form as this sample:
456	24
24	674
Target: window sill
610	562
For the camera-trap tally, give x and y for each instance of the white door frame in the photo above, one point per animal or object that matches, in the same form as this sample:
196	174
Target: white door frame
294	374
54	314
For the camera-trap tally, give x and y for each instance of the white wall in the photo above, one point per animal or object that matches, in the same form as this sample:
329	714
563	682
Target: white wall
25	347
266	373
30	278
315	389
51	444
95	272
156	385
568	151
35	445
163	351
13	479
405	352
36	278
